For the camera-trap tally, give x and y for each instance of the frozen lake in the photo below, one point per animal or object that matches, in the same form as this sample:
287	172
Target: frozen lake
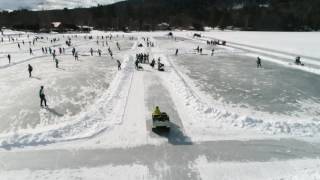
224	111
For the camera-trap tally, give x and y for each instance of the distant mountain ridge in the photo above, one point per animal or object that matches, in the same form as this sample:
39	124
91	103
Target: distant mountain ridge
260	15
51	4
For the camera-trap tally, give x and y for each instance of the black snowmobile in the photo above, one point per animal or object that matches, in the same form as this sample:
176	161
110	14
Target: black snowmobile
298	61
161	122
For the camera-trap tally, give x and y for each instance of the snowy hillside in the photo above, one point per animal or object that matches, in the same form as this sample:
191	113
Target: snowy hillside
50	4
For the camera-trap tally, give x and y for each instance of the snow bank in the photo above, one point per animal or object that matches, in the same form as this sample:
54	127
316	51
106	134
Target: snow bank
274	170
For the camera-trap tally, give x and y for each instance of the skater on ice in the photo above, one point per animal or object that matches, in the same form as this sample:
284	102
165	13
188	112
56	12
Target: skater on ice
137	64
118	45
57	62
42	97
9	58
212	52
54	55
73	51
160	65
259	65
76	56
153	63
119	65
198	49
30	69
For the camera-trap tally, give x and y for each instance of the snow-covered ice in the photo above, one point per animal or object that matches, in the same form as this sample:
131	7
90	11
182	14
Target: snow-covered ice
274	170
134	171
302	43
225	113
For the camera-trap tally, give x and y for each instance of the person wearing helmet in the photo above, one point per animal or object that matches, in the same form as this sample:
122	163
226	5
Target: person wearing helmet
156	111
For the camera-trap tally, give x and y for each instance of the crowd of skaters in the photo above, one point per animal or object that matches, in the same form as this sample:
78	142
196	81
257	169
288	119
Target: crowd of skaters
50	50
142	58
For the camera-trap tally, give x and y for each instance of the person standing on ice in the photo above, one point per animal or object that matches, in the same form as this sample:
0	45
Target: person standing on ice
137	64
91	51
153	62
30	50
212	52
99	52
30	70
9	58
119	65
73	51
54	55
177	51
110	52
42	97
118	45
76	57
57	62
259	65
198	49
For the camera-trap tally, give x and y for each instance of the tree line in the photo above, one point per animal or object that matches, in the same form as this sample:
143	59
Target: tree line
260	15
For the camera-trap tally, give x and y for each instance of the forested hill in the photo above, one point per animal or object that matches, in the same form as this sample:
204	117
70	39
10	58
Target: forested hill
277	15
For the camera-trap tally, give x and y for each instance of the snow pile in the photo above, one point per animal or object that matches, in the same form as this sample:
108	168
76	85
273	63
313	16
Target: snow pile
275	170
124	172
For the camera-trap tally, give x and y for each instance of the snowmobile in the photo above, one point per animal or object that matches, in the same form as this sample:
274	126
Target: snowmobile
196	35
298	61
161	122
